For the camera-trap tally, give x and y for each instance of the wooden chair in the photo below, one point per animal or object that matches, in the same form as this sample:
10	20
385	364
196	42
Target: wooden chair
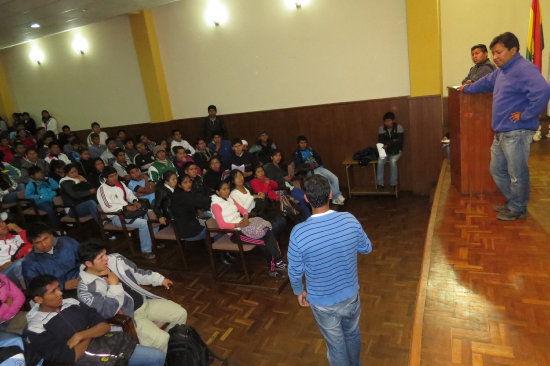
28	207
224	244
69	222
167	233
107	226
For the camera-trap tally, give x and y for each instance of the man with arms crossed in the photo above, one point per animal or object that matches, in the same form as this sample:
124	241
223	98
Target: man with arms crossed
520	93
482	64
324	248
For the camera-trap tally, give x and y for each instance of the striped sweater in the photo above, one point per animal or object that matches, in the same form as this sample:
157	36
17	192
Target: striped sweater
324	248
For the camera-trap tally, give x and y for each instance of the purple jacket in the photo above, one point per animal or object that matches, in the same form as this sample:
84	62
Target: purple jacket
518	86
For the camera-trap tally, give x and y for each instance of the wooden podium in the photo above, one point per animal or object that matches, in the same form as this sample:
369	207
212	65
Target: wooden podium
471	138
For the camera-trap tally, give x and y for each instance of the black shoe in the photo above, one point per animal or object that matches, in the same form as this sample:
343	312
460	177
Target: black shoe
511	215
227	258
379	188
277	275
502	208
281	266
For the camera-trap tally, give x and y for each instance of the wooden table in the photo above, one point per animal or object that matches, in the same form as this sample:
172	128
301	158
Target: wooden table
354	190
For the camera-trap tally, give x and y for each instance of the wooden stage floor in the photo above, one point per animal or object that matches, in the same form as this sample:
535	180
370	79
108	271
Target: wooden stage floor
486	282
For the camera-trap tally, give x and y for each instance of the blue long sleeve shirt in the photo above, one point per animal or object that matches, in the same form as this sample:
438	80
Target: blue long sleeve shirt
324	248
518	86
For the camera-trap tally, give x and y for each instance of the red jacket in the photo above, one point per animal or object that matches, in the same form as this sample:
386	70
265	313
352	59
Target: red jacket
268	187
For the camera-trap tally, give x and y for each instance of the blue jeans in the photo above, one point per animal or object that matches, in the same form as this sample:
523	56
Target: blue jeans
12	196
339	325
332	180
143	228
199	236
86	208
509	155
52	216
147	356
392	159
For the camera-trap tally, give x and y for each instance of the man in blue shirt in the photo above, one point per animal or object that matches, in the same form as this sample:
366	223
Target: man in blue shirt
324	248
520	93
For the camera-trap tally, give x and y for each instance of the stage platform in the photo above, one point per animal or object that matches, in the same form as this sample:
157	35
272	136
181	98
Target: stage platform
484	293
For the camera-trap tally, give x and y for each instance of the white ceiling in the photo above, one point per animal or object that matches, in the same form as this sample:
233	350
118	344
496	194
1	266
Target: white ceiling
56	16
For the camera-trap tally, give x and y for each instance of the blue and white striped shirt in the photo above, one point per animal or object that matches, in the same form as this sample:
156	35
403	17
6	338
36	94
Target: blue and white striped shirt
325	248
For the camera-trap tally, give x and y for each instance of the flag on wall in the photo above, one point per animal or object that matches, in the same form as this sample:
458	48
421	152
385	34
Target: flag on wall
535	38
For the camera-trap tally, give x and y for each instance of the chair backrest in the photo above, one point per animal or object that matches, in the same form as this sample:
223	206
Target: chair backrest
20	194
212	224
58	204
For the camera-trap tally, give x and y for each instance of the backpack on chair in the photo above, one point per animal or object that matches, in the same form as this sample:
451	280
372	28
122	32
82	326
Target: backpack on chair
186	348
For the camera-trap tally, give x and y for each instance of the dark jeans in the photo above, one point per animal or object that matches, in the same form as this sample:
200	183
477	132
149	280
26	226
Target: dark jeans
86	208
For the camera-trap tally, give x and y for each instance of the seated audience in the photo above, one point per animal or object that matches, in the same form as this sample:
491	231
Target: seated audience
48	336
121	164
177	140
242	160
221	149
6	149
65	135
230	215
192	170
19	151
86	165
32	159
143	158
29	123
160	165
114	196
8	187
94	177
149	144
42	190
306	157
72	148
279	174
13	246
49	122
95	148
213	124
76	191
120	138
482	64
262	184
57	170
11	298
26	139
130	150
96	128
213	175
163	196
43	145
202	154
140	184
39	136
185	208
181	158
57	256
108	155
391	135
112	283
54	153
263	148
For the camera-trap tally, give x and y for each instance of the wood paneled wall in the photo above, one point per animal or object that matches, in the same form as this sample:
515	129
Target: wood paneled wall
335	131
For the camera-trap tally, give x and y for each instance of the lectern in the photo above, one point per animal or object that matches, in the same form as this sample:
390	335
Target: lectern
471	138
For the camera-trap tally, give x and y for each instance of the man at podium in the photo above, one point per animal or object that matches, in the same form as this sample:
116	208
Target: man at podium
520	94
482	64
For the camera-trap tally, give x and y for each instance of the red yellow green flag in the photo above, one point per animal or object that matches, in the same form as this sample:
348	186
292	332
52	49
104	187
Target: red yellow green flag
535	38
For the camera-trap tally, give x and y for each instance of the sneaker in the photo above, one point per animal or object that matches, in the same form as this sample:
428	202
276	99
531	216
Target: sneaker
341	198
502	208
511	215
277	275
148	256
336	202
227	258
111	236
281	266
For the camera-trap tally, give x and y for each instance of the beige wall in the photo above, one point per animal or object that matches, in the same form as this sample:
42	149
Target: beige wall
269	56
468	22
103	85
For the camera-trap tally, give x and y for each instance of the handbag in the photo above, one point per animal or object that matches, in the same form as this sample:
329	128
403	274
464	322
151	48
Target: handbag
111	349
133	215
257	228
287	208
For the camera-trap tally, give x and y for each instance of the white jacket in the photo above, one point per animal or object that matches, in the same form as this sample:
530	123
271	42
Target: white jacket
114	198
230	212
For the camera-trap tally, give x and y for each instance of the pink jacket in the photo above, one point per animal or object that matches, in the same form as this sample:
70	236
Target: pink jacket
9	289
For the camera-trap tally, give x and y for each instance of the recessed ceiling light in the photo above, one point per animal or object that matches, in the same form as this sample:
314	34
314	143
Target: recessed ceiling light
35	25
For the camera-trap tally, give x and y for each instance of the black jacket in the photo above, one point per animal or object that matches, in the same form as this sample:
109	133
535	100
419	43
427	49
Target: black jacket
184	209
393	140
161	204
144	161
202	158
209	128
200	188
299	161
73	193
212	179
248	160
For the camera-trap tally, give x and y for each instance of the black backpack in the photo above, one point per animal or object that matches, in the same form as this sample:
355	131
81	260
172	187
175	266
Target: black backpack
186	348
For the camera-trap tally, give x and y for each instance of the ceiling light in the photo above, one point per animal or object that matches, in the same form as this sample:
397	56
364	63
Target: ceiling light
80	45
216	13
35	25
296	4
36	55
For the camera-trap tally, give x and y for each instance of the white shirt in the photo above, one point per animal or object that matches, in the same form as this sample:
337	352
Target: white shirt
245	200
183	144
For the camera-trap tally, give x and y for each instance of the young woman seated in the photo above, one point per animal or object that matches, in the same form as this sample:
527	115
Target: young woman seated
230	215
213	175
186	207
76	191
181	159
163	196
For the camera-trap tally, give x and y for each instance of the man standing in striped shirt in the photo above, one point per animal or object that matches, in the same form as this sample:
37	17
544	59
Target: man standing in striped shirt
324	248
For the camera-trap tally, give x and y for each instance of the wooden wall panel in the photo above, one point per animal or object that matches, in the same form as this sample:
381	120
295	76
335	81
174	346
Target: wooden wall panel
336	131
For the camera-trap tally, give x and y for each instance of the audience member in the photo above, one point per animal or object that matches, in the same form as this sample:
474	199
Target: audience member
202	154
43	146
121	164
112	283
324	248
57	256
221	149
31	160
95	177
140	184
185	207
9	188
482	64
76	191
262	184
150	145
48	336
55	153
108	155
19	151
191	169
163	196
95	148
263	148
306	157
96	128
25	138
144	158
11	298
86	161
13	247
213	175
242	160
130	150
65	135
230	215
50	123
57	170
181	158
29	123
213	124
42	190
120	139
6	149
391	135
177	140
114	196
160	165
